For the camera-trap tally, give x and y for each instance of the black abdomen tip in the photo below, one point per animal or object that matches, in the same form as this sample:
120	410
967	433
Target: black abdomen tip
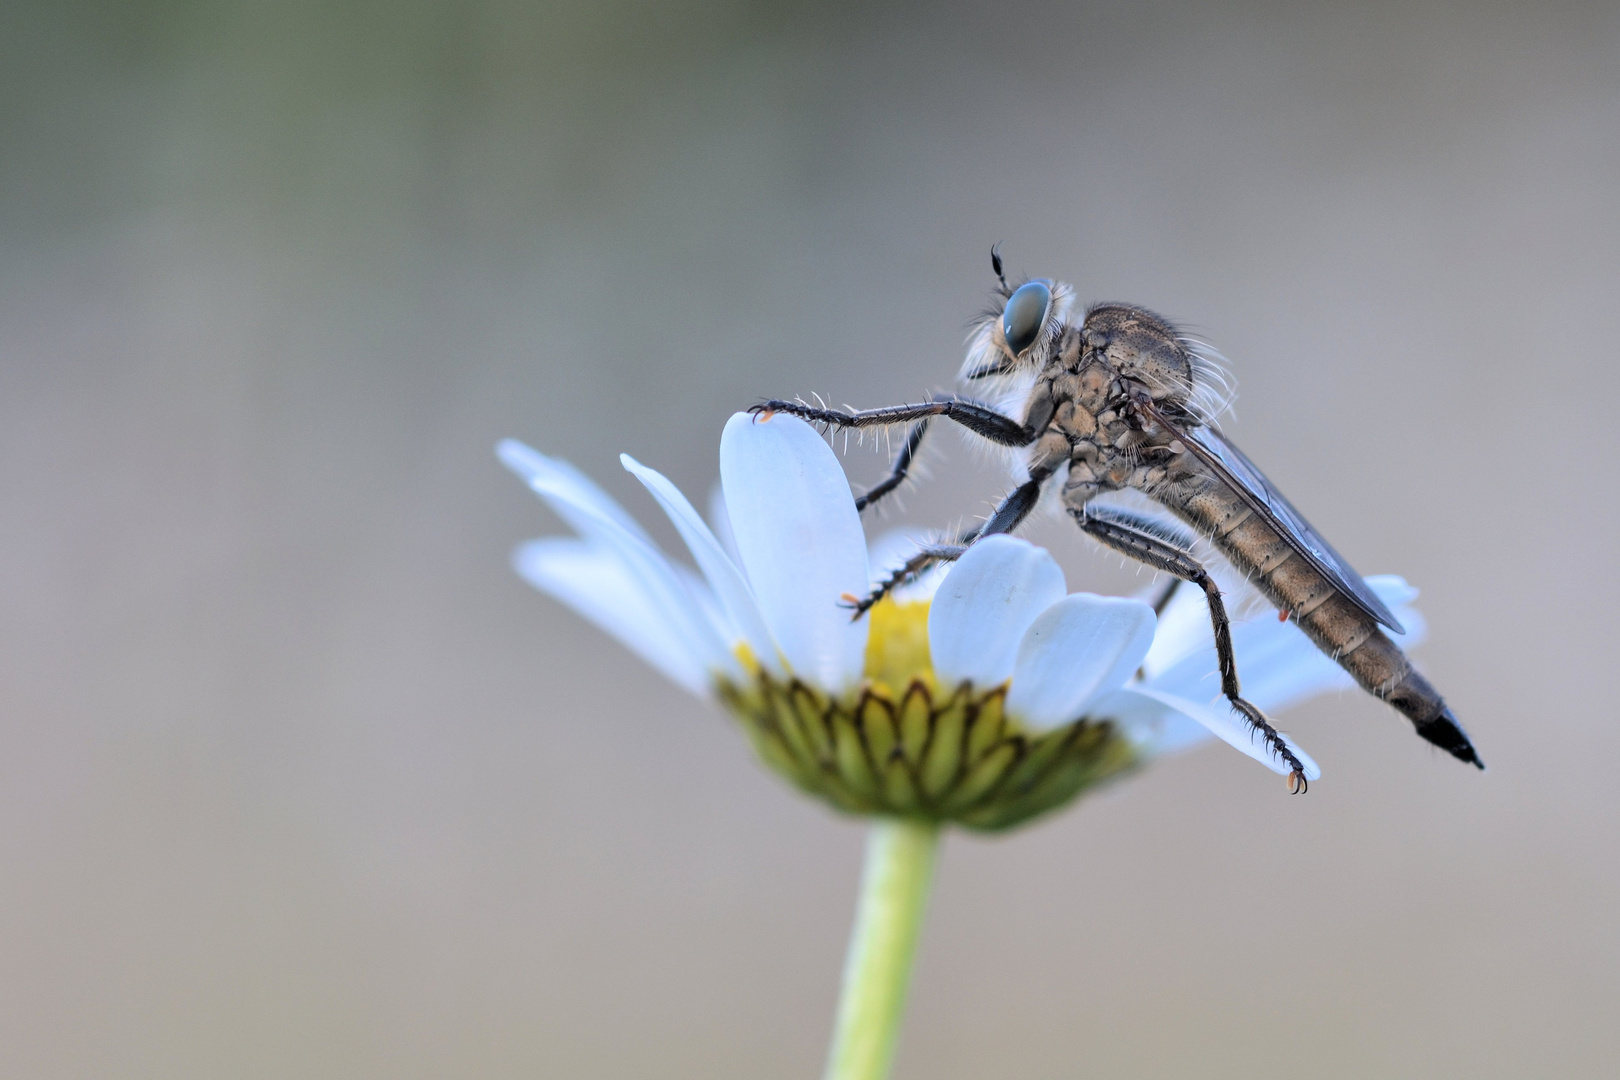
1448	735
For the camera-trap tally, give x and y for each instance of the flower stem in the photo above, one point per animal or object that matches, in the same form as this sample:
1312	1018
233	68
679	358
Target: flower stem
877	970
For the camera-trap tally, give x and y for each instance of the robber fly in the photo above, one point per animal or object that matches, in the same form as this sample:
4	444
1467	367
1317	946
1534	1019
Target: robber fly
1122	400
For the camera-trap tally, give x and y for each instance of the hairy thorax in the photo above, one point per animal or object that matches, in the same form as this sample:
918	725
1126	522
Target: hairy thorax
1081	396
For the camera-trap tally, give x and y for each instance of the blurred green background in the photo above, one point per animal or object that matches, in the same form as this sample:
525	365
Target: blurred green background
298	779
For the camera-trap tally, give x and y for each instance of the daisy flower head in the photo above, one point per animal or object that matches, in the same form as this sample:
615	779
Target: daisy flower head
995	699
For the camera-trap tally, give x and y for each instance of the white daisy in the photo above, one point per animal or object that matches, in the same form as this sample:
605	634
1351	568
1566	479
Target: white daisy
1001	697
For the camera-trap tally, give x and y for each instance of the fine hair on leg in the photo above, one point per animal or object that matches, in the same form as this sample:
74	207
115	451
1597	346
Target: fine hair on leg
897	475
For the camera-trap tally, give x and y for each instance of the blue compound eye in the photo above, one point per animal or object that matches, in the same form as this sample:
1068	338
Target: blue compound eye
1024	315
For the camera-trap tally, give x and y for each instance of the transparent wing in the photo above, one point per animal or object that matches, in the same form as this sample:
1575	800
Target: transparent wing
1245	478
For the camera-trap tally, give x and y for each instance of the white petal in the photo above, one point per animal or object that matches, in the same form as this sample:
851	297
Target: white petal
720	522
1265	649
1280	689
663	587
1078	648
724	579
704	600
1279	666
800	541
581	502
1154	727
1183	631
984	606
1234	731
595	582
1393	590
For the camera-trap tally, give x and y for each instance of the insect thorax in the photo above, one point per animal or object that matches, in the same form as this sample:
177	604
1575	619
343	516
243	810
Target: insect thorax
1081	401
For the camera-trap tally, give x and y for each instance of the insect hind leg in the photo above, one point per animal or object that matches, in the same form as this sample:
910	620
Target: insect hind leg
1163	548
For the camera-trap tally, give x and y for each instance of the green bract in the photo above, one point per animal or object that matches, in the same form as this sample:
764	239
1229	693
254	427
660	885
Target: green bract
902	745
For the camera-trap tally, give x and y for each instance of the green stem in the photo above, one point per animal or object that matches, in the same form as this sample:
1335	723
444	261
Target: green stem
877	971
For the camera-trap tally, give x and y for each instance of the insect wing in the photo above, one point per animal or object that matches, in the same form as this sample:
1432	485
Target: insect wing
1245	478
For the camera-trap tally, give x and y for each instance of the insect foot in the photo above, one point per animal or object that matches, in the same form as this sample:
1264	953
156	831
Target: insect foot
833	417
1297	783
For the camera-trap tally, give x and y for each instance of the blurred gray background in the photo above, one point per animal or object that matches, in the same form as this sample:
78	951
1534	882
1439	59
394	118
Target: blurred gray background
297	779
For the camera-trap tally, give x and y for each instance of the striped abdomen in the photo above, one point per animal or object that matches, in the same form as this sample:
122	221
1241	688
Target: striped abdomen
1338	627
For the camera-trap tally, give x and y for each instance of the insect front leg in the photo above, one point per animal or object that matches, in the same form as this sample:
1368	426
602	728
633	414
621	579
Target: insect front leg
1007	517
976	416
1156	545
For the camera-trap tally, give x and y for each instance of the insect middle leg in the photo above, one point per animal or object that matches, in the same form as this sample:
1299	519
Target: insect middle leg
1154	544
1007	517
897	475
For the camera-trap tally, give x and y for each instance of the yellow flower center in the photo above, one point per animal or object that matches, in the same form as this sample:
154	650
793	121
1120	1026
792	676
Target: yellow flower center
901	745
897	645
